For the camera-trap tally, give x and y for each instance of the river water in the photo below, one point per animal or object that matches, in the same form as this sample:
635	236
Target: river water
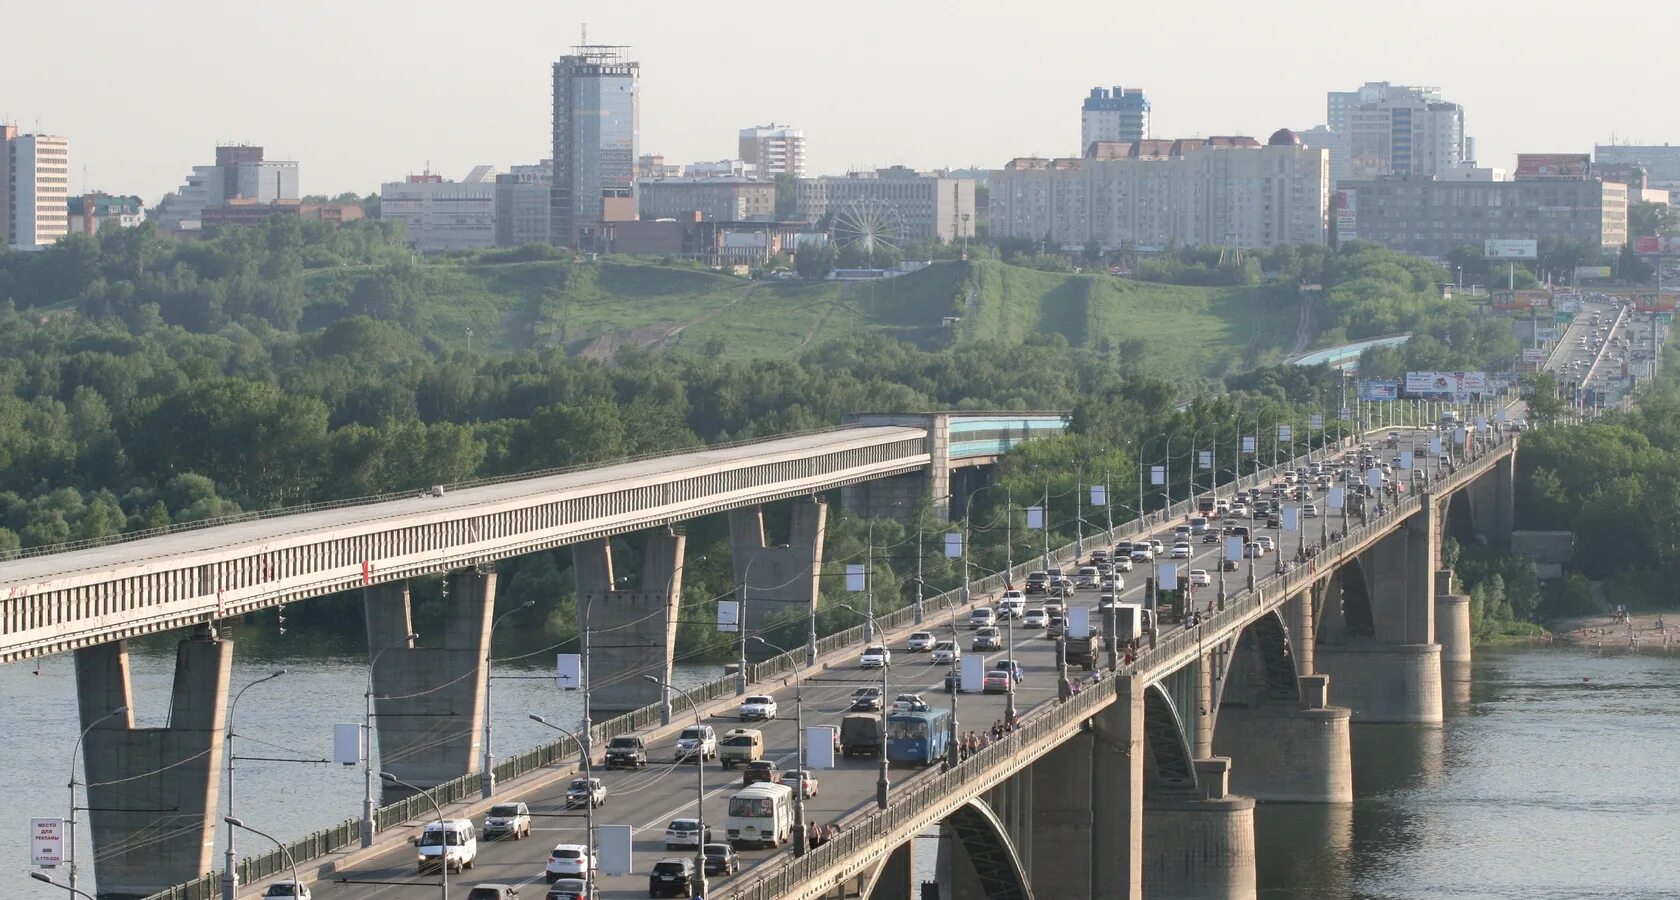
1556	775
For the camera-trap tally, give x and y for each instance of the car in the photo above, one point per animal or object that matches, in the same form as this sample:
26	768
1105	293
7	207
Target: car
686	833
626	750
875	656
492	892
1087	578
1181	550
919	642
757	707
996	682
1309	511
570	889
802	780
1157	546
673	876
945	653
1239	511
697	741
1061	586
1142	553
1035	618
568	859
1013	596
1056	627
1180	532
1123	563
987	639
721	859
760	770
1229	565
1211	537
1198	525
910	703
506	820
982	618
1037	582
290	889
1111	584
1265	540
953	681
869	693
583	791
1200	577
1255	550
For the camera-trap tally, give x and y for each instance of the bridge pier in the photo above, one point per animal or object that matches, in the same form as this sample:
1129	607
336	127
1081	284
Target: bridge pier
637	630
152	792
429	701
1289	754
1200	846
1064	835
899	497
1493	503
1117	777
1386	682
778	578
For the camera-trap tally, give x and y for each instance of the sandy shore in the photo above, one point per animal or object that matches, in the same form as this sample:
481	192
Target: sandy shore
1640	630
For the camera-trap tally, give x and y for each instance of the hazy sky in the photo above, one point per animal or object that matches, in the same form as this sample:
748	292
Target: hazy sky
364	91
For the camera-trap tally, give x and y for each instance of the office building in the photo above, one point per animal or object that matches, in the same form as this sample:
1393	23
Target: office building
1431	217
715	199
1397	130
1323	137
774	150
522	210
653	166
595	136
913	205
240	173
1158	194
439	215
1118	115
34	189
721	168
89	213
1660	162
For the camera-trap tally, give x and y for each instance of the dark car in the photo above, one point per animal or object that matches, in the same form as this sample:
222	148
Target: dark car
494	892
626	750
721	860
953	681
759	770
867	703
672	876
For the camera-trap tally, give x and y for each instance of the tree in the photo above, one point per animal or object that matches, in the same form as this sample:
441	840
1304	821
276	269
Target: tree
787	196
1544	404
1646	219
814	263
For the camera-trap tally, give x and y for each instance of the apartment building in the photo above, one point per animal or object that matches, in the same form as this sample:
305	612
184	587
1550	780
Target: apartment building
919	206
34	189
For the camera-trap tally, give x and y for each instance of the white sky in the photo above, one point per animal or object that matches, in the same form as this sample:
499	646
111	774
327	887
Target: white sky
364	91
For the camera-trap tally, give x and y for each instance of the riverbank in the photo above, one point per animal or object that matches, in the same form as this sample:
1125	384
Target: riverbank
1640	631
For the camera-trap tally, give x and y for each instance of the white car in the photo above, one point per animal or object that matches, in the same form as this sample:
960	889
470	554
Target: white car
1309	511
697	740
568	859
945	652
1142	553
1200	577
1035	618
1123	564
1014	597
680	833
757	706
920	641
287	889
874	657
504	819
1181	550
1266	541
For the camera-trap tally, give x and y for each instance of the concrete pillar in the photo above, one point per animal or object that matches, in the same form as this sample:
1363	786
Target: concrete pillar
1200	846
429	701
1423	557
778	579
1386	572
634	633
1385	683
895	881
1289	754
1452	626
1300	616
1117	782
152	792
1202	734
1063	819
899	497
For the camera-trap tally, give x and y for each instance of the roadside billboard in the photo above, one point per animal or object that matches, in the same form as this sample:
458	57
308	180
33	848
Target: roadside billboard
1653	301
1347	215
1565	166
1654	245
1458	387
1591	273
1379	389
1511	301
1511	249
1534	357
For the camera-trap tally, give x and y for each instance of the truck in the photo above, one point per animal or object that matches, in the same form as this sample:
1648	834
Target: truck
860	735
1128	623
1084	651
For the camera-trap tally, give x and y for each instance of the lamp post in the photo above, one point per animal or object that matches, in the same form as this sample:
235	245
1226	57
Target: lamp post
44	877
882	785
699	796
297	883
488	781
443	858
367	740
741	629
230	876
71	822
588	807
799	836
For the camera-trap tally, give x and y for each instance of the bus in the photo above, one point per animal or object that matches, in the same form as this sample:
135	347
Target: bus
918	738
760	815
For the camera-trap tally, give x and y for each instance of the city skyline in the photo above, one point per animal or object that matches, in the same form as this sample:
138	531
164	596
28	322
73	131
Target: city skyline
315	88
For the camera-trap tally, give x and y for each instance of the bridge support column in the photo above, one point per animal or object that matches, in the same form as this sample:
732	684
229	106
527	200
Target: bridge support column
1493	503
896	877
781	578
1117	823
1287	754
899	497
429	726
1064	822
1203	846
1452	620
1300	614
1385	682
153	790
635	631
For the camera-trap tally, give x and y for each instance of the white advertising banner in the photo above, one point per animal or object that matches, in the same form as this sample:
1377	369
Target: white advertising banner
347	744
1291	519
729	615
1435	446
1337	498
1317	423
612	843
1204	459
1168	580
1035	517
46	842
1079	622
1099	495
1283	434
568	669
973	673
1374	479
953	546
1233	548
1406	461
1157	474
819	746
1248	443
855	578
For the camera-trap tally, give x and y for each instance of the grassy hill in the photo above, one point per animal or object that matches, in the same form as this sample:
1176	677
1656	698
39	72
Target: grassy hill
594	309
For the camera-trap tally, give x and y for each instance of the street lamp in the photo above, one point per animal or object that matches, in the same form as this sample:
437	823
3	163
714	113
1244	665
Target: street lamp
487	782
799	725
588	807
443	858
230	877
42	876
882	785
367	739
74	752
699	795
297	883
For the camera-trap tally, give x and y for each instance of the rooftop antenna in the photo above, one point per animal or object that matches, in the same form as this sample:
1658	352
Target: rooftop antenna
586	34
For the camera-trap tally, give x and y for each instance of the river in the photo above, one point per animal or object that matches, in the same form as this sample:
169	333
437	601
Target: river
1555	775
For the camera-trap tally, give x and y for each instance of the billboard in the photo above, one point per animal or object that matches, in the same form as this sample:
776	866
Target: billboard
1511	249
1653	301
1456	386
1378	389
1520	300
46	842
1567	166
1347	215
1653	245
1590	273
1533	357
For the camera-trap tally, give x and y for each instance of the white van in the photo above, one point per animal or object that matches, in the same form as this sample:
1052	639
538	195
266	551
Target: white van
451	843
982	618
761	815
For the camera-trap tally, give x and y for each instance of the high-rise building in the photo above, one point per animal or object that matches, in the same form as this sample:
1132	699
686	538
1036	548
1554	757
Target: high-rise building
443	215
522	210
774	150
595	135
1428	216
1660	162
718	198
1118	115
1397	130
904	203
1323	137
240	177
34	189
1153	195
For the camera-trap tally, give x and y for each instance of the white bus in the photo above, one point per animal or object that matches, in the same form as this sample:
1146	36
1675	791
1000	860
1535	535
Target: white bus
761	815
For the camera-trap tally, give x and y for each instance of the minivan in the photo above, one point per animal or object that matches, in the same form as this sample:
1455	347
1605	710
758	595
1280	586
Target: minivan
982	618
451	843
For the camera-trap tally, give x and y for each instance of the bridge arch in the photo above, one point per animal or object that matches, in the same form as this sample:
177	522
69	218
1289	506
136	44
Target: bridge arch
1346	612
1167	743
983	840
1460	524
1267	639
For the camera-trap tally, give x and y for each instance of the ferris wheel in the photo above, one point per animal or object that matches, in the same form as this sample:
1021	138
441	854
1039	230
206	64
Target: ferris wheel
868	225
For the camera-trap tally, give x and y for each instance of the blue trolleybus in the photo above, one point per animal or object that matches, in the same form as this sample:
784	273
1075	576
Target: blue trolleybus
918	738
